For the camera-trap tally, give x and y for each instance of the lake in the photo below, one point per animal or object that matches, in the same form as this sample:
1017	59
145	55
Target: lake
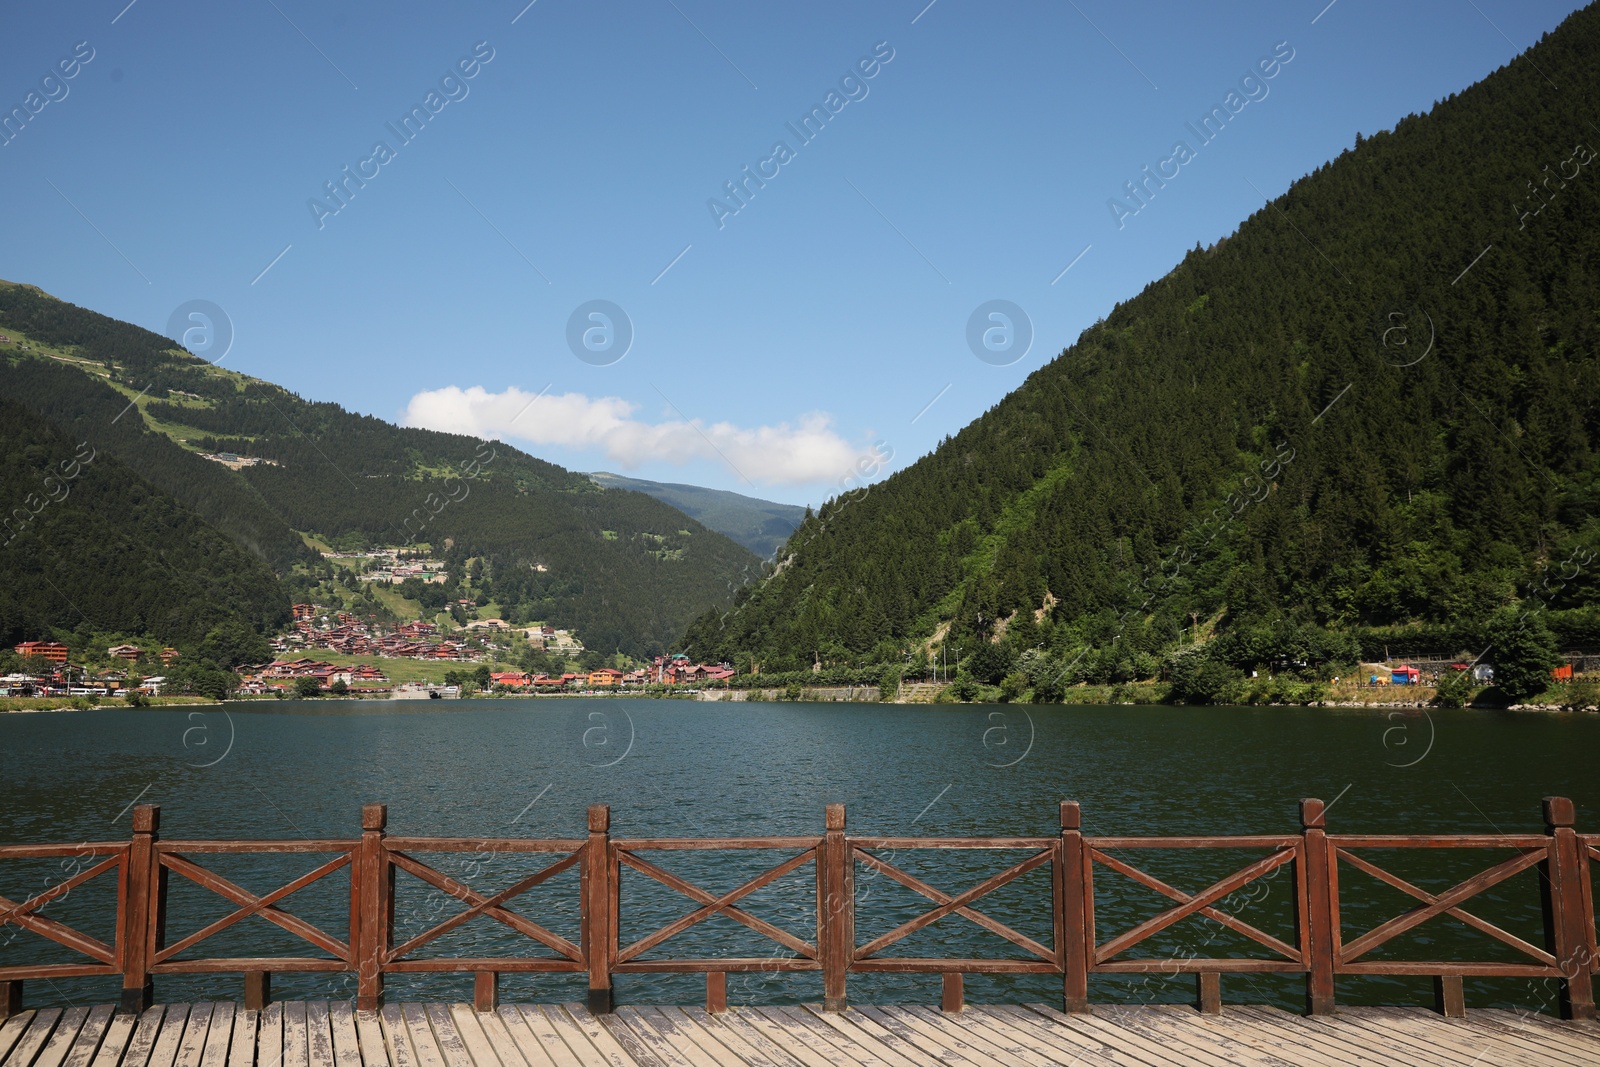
527	767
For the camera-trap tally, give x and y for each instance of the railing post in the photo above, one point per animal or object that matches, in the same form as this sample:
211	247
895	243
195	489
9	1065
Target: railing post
10	998
1316	904
716	992
599	897
375	896
1449	996
1073	889
1568	911
257	990
952	997
141	885
836	909
1208	992
485	990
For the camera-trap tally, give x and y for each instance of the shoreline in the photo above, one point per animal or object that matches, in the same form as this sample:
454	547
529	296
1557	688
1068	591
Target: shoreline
724	696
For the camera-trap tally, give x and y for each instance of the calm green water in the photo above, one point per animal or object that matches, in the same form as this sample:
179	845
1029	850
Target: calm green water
531	767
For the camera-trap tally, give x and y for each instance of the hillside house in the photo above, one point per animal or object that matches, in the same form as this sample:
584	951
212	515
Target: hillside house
54	651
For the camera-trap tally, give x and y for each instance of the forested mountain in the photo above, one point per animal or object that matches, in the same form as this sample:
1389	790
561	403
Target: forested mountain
1368	417
89	541
759	525
625	571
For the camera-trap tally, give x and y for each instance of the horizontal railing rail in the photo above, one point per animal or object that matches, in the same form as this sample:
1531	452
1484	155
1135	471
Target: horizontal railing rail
1322	940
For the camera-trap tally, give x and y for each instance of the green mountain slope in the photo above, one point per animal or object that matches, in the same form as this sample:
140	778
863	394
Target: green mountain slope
627	572
1324	431
759	525
88	542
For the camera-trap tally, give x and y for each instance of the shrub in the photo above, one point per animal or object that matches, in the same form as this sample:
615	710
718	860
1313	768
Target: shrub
1197	678
1454	690
889	684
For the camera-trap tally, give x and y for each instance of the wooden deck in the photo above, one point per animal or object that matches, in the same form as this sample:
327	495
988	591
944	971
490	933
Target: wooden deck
323	1034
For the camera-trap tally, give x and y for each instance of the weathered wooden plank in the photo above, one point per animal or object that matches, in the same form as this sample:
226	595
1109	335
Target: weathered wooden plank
59	1043
218	1037
1118	1038
773	1040
749	1049
1031	1040
578	1025
1539	1021
977	1029
346	1041
465	1017
396	1036
119	1031
11	1031
1070	1042
833	1034
296	1039
521	1036
164	1050
1420	1050
87	1043
269	1036
542	1032
505	1047
319	1034
1183	1027
141	1047
1552	1032
451	1044
242	1051
32	1039
1506	1043
1228	1033
861	1040
661	1046
945	1038
424	1045
369	1032
691	1040
816	1048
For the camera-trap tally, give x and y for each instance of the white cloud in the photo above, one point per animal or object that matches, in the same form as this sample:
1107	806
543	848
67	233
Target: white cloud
806	452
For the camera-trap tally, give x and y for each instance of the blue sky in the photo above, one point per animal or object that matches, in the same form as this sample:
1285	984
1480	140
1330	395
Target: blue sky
831	324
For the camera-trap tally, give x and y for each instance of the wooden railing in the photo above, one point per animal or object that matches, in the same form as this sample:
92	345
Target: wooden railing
1318	946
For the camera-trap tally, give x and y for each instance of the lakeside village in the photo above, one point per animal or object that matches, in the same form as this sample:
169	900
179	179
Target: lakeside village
369	659
415	648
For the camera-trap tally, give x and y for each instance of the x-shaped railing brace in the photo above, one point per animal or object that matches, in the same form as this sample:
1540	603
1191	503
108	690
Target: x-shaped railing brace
482	905
60	933
1443	903
1198	904
250	904
954	905
715	905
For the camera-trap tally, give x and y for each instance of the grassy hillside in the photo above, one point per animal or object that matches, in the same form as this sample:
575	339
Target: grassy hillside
1321	433
625	571
759	525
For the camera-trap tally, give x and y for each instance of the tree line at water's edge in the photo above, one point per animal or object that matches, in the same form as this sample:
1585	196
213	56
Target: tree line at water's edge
1317	442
